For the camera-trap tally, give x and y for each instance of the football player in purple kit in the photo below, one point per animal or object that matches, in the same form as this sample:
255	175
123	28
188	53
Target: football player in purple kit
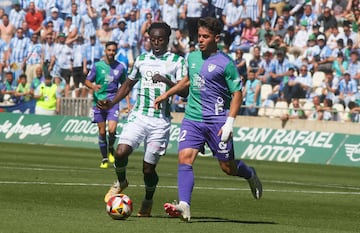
213	103
104	79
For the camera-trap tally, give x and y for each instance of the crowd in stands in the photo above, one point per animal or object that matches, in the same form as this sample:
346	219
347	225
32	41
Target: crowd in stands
286	51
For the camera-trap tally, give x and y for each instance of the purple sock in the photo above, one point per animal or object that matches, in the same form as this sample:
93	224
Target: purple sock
243	170
103	146
185	182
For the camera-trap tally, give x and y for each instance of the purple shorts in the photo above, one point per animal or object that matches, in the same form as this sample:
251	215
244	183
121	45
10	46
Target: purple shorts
194	134
105	115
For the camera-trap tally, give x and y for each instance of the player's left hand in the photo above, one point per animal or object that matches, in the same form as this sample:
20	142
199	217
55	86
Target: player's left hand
227	129
158	101
103	104
158	78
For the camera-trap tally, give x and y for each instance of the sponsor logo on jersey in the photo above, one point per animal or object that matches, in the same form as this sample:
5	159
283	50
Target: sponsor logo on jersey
211	67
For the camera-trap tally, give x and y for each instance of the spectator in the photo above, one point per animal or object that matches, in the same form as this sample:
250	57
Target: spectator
47	30
272	16
34	18
327	20
266	29
79	67
265	67
46	98
279	70
180	44
277	5
251	93
192	13
8	88
301	38
326	57
333	38
3	56
69	29
93	52
76	17
315	112
308	16
169	12
17	15
340	65
295	111
241	64
47	52
232	19
354	66
248	36
33	57
57	21
6	28
330	87
312	52
253	10
122	8
105	33
38	79
88	22
347	90
18	50
22	92
354	112
134	28
61	63
328	113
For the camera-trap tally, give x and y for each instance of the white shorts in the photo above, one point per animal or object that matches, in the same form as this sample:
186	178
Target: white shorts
153	132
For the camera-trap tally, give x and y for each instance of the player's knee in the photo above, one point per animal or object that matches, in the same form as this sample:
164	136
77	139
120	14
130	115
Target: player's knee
228	170
123	151
148	169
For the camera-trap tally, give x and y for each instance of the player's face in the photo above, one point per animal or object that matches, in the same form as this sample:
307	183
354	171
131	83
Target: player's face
158	41
110	52
207	41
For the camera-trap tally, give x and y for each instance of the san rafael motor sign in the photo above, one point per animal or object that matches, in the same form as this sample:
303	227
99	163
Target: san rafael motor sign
293	146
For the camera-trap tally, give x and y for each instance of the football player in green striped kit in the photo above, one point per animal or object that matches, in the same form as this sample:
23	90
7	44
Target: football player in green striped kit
157	71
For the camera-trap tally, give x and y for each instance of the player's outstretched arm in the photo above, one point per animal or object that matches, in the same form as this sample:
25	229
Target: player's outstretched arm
122	92
179	88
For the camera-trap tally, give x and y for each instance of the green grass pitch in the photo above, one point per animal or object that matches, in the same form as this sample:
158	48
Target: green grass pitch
46	189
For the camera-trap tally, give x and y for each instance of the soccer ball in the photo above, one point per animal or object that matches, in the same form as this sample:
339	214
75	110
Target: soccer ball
119	207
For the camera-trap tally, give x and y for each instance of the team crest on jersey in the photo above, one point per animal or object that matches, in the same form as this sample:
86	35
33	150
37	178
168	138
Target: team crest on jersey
211	67
116	72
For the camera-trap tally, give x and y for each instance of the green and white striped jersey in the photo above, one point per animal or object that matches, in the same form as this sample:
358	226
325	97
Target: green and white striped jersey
169	65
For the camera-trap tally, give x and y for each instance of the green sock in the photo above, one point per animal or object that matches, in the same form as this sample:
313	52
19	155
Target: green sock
150	181
120	168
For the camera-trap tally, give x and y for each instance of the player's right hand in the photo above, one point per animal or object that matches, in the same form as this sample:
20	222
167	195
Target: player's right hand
158	101
103	104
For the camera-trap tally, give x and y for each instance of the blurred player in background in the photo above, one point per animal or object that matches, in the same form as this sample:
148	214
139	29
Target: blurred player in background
104	79
157	71
213	103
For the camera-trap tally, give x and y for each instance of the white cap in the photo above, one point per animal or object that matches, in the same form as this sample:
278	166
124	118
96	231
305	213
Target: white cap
54	9
320	37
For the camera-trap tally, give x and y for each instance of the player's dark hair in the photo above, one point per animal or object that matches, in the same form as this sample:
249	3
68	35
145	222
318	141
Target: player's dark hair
160	25
111	43
212	24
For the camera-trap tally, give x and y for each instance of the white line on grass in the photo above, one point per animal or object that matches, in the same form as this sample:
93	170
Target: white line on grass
174	187
71	169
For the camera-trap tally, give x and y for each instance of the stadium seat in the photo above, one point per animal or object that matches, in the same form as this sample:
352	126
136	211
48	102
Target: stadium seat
308	107
266	108
317	79
265	91
280	108
248	57
340	112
